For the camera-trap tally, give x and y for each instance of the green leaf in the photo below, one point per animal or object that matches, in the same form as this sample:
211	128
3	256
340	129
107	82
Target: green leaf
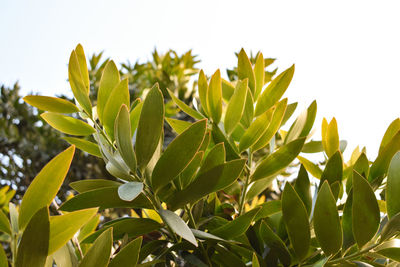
391	131
203	91
259	74
80	91
347	222
295	217
255	131
91	184
178	154
274	91
128	255
4	224
67	124
122	130
118	96
187	175
269	208
248	112
393	186
235	108
208	182
52	104
109	80
278	160
334	169
103	198
206	236
391	253
99	253
45	186
179	126
215	157
303	124
327	226
3	257
226	257
130	191
84	145
227	90
34	244
185	108
245	70
64	227
310	167
273	126
134	117
302	187
214	97
133	227
178	225
290	109
219	137
236	227
274	242
366	214
254	261
65	257
391	228
150	126
89	227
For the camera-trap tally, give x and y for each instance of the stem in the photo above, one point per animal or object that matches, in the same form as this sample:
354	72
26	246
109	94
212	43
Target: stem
355	255
246	184
190	215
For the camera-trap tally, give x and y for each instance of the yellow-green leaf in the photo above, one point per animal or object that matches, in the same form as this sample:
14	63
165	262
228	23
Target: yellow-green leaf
393	186
109	80
259	74
67	124
185	108
83	66
34	244
179	126
303	124
391	131
278	160
203	91
82	144
334	169
178	154
330	137
64	227
295	217
150	126
327	226
49	103
274	91
128	256
122	130
45	186
310	167
134	117
118	96
99	253
245	70
366	214
235	108
214	97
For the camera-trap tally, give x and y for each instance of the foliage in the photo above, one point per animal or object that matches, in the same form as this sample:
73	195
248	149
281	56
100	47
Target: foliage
196	202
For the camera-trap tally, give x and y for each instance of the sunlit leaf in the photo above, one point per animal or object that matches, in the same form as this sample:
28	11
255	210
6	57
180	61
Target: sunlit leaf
67	124
109	80
99	253
82	144
52	104
214	97
245	70
235	107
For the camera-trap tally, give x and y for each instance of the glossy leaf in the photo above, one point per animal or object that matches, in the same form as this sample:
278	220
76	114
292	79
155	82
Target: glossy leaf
259	74
99	253
295	217
122	130
274	91
91	184
245	70
109	80
278	160
327	226
130	191
273	126
119	96
302	187
34	244
236	227
178	225
208	182
393	186
103	198
128	255
45	186
64	227
235	108
185	108
366	214
214	97
178	154
67	124
52	104
84	145
77	83
150	126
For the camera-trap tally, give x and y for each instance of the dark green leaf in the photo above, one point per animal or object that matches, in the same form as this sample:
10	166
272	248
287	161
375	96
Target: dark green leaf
302	187
99	253
274	242
215	157
334	169
393	186
347	222
129	254
91	184
391	228
268	208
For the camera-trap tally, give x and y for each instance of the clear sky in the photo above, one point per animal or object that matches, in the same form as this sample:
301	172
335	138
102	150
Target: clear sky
347	53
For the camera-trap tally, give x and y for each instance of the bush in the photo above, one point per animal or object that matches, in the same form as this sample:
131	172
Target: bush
200	201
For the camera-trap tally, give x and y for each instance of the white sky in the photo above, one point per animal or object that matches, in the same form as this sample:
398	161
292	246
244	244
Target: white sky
347	53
